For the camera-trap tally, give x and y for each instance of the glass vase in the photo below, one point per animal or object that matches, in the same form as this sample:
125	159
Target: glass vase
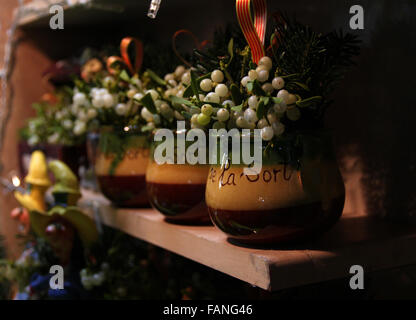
298	194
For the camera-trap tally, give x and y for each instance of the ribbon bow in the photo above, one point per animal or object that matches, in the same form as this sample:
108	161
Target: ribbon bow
125	57
253	32
198	45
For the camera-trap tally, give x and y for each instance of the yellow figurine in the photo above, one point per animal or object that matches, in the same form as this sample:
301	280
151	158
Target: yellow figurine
66	189
37	183
64	221
69	232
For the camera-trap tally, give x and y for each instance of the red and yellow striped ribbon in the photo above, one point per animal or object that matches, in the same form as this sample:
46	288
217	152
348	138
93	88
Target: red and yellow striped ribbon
253	32
125	58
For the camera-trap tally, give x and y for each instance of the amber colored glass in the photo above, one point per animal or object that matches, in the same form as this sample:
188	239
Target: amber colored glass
287	201
122	178
178	190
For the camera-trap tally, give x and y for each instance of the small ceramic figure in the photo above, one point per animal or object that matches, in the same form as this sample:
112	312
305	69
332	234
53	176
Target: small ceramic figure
69	232
21	215
64	221
37	182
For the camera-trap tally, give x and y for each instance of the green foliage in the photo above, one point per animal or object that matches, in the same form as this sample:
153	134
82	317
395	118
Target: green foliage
132	270
195	85
147	101
46	127
311	63
156	78
229	52
178	100
255	87
37	258
137	270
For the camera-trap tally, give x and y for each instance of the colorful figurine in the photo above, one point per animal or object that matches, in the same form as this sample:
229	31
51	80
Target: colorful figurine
37	183
69	232
64	222
21	215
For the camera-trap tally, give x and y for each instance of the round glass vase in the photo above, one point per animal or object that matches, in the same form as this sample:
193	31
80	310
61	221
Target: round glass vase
178	190
120	167
299	193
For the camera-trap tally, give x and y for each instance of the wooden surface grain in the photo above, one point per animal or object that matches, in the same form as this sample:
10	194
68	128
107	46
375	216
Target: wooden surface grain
373	244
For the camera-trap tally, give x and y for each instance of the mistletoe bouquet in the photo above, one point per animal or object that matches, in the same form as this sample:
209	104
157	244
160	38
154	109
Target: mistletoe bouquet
56	122
278	92
286	90
126	101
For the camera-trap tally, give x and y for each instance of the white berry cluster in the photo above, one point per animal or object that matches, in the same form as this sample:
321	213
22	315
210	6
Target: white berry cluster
82	111
152	119
177	81
102	98
246	117
163	110
215	92
113	100
62	123
34	127
89	281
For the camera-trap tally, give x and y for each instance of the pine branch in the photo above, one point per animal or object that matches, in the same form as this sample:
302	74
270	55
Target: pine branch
212	57
315	62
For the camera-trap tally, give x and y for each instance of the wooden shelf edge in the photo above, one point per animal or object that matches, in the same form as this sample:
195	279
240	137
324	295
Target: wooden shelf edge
198	243
354	240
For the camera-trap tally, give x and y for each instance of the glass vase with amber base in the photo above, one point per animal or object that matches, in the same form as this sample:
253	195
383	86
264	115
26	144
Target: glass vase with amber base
298	194
120	168
178	191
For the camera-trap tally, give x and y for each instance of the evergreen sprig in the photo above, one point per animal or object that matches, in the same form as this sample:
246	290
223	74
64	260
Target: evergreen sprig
311	63
220	53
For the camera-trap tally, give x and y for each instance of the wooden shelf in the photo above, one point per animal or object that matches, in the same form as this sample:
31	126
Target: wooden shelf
354	240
